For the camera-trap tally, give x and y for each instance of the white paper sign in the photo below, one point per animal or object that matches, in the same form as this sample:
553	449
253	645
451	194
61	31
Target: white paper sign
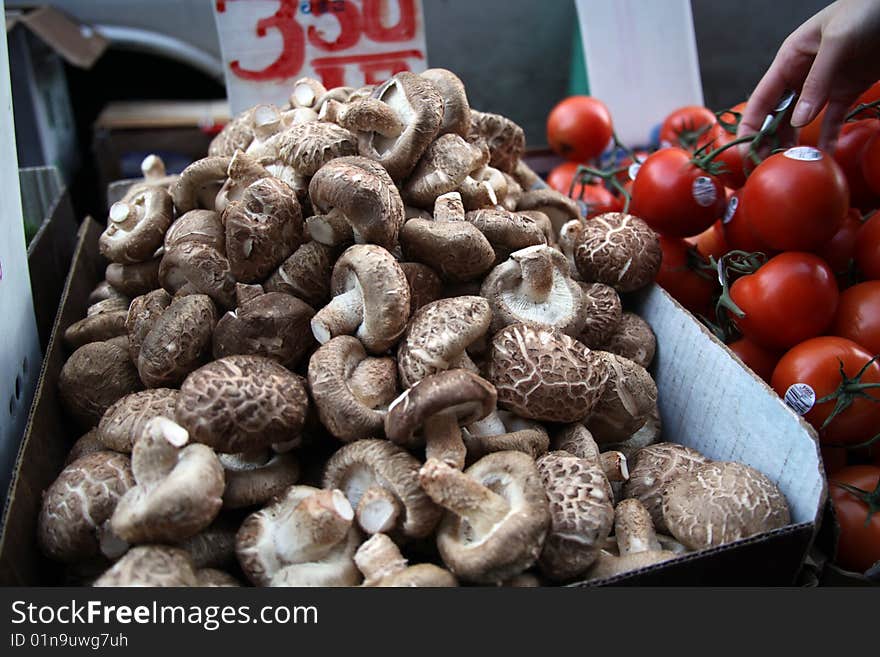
19	343
268	44
641	60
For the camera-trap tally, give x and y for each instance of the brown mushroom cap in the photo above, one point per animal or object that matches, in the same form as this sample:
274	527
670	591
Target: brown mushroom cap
306	147
456	109
556	205
151	565
382	564
199	267
442	168
456	250
199	227
274	325
127	418
581	514
214	577
619	250
648	434
365	197
95	376
506	231
497	515
603	312
305	274
366	465
424	284
78	504
438	335
262	229
506	140
628	399
103	291
533	287
362	114
86	444
143	313
544	374
420	107
199	182
242	403
136	226
577	440
347	402
105	320
236	135
633	338
214	546
306	527
439	405
255	478
655	468
721	502
525	176
178	342
135	279
178	491
371	299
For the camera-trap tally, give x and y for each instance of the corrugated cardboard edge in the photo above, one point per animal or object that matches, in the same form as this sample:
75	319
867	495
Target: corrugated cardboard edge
20	561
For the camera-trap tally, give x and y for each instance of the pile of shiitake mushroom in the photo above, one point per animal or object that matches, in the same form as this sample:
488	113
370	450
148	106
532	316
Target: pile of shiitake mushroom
359	343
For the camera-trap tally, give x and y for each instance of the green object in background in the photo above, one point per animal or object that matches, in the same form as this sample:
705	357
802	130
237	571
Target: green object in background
578	83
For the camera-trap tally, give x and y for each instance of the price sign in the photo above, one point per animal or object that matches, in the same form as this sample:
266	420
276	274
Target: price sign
267	44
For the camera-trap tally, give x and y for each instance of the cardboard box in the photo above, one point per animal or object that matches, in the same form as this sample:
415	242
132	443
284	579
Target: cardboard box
707	401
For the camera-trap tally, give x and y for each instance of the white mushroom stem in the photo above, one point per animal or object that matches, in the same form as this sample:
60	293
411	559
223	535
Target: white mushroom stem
634	529
443	439
330	229
153	168
311	529
267	121
537	274
614	466
156	453
123	215
378	510
377	558
307	92
341	316
449	207
464	496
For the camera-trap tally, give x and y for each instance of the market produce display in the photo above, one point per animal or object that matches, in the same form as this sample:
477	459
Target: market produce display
361	343
775	248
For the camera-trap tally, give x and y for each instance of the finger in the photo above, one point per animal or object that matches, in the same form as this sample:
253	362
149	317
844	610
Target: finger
817	86
834	116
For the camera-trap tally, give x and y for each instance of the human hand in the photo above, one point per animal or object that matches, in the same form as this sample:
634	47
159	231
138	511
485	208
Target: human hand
833	57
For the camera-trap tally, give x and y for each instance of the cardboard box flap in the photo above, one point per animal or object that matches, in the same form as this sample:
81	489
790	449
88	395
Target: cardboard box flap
80	45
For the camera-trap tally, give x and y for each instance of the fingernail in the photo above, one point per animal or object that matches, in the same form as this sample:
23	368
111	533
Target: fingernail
801	115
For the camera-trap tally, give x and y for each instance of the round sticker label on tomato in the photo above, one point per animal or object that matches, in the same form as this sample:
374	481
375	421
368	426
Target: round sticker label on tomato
800	398
804	153
704	191
732	205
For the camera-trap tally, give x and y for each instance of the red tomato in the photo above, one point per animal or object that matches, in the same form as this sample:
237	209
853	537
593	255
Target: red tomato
796	200
851	145
811	371
760	360
791	298
737	233
598	200
679	277
688	127
735	165
579	128
834	458
838	252
858	316
561	175
858	546
674	196
871	164
711	241
868	248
